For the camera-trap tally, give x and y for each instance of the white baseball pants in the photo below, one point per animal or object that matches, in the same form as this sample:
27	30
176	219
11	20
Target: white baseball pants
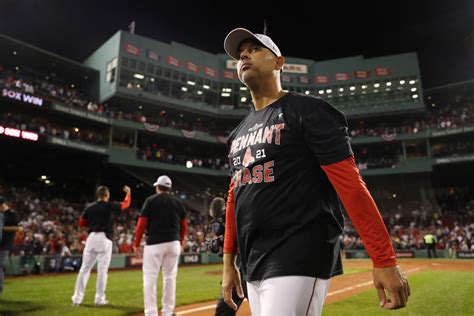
155	257
98	249
287	296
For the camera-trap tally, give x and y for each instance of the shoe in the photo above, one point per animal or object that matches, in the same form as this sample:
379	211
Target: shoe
102	303
75	303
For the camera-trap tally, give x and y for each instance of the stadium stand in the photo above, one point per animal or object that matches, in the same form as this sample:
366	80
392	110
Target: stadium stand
138	108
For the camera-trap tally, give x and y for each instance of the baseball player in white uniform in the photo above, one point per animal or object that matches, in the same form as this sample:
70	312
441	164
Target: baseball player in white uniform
99	217
163	217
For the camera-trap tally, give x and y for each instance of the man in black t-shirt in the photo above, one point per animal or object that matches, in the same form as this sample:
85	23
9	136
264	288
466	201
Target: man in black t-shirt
10	227
292	165
163	217
99	217
217	211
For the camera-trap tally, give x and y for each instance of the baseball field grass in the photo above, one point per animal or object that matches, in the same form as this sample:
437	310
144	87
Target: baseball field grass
434	292
437	293
51	295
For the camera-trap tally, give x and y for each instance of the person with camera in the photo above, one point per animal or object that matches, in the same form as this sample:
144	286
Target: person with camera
217	210
216	226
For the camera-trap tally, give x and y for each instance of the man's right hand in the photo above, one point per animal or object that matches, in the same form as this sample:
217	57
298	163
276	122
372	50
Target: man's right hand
231	280
137	251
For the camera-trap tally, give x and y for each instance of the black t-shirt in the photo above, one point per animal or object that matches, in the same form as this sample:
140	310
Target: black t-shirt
164	213
288	215
10	218
100	216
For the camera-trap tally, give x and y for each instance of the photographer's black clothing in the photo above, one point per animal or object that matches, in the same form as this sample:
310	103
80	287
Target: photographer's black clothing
217	226
222	309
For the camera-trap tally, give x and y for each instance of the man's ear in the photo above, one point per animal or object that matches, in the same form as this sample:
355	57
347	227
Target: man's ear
280	63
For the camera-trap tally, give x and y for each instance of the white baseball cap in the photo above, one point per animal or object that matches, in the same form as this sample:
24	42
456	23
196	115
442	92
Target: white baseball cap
237	36
163	181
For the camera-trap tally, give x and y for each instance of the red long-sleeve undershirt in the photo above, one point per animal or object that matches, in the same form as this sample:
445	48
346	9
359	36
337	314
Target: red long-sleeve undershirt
140	229
359	204
126	202
362	210
143	223
230	236
184	229
83	222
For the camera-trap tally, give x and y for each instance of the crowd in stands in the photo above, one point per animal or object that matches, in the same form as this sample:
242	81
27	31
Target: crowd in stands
453	149
376	157
449	115
450	220
446	116
46	88
64	94
358	128
49	225
44	126
155	153
456	114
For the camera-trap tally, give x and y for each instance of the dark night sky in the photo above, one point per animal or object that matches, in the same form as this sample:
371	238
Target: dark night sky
437	30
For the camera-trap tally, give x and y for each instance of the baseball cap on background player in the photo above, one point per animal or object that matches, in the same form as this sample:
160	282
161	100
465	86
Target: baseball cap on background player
237	36
163	181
